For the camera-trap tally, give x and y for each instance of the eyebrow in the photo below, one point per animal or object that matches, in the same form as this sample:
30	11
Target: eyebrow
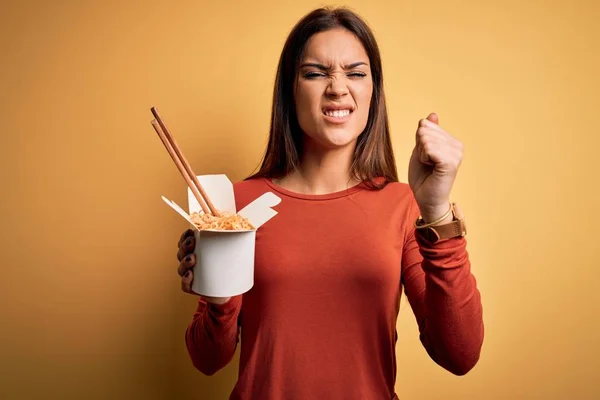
326	68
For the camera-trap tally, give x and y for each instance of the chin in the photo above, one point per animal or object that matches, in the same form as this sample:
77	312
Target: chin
334	141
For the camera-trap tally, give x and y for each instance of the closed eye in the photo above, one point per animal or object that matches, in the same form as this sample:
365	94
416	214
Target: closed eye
311	75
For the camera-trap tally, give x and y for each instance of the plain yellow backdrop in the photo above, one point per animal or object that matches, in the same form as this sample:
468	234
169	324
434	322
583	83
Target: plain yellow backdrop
91	306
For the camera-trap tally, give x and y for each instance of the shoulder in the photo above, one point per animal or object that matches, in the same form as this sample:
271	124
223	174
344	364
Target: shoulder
246	191
405	200
398	188
398	191
395	197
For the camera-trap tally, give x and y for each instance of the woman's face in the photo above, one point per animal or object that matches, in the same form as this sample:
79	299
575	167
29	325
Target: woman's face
334	89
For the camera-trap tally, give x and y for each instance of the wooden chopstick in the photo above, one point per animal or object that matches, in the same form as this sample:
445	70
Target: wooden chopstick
184	167
180	166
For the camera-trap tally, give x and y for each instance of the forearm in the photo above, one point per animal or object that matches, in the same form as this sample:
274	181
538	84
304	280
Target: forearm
453	323
212	336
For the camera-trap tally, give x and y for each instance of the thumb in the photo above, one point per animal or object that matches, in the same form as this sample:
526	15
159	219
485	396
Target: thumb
433	117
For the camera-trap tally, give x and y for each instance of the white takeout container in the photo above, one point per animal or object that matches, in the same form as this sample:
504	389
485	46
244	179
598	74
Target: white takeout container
225	259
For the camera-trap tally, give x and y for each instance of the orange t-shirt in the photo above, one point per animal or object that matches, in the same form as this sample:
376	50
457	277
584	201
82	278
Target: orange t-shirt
320	320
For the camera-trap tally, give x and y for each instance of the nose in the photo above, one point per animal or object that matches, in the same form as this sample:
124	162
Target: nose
337	87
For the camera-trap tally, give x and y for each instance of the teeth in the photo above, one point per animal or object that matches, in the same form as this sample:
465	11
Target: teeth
337	113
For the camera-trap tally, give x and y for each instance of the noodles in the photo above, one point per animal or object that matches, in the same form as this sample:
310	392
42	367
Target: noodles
224	222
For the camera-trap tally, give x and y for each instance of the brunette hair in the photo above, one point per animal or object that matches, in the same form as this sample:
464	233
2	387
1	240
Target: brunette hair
374	156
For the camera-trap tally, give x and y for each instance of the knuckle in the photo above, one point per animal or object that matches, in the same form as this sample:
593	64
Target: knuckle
455	161
182	238
189	244
185	266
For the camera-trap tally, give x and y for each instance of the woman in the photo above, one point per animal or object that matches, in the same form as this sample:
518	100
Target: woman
320	321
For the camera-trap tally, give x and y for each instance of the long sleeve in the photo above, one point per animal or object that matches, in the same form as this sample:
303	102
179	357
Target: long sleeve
212	336
315	264
444	297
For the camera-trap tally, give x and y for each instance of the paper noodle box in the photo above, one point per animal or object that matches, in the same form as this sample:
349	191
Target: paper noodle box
225	259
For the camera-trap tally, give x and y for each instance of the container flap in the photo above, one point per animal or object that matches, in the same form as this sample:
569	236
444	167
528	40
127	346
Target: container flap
259	211
179	210
220	191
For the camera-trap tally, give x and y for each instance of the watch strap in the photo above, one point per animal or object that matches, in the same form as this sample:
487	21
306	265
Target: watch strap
436	233
456	228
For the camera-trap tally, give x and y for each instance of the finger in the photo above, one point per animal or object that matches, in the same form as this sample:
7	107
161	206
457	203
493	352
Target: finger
425	135
433	117
186	264
187	247
431	121
184	236
424	156
421	152
431	148
444	158
186	282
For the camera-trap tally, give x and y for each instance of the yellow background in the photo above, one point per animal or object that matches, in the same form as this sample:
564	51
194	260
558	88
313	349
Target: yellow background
91	306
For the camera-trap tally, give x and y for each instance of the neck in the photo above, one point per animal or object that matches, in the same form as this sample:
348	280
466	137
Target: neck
321	171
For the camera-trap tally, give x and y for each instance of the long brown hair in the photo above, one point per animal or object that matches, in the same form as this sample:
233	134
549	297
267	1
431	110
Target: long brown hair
374	156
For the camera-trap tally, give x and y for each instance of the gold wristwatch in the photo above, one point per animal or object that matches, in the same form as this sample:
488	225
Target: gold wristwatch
434	233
